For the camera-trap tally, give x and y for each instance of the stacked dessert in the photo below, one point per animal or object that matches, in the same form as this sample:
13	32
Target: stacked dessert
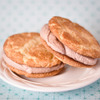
62	42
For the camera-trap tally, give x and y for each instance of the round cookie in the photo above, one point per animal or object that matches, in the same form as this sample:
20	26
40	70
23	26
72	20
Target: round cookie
26	51
74	36
70	42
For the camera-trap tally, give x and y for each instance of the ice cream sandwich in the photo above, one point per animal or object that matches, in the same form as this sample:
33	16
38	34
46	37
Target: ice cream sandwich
25	55
70	42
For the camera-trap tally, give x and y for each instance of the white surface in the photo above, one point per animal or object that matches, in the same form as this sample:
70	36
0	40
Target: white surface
71	78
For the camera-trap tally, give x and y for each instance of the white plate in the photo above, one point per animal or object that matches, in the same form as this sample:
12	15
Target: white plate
72	78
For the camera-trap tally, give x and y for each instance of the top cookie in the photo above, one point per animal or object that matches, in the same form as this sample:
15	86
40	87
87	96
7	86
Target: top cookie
26	49
75	37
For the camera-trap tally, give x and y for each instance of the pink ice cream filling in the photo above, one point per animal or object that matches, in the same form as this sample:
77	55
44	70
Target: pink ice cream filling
56	45
31	69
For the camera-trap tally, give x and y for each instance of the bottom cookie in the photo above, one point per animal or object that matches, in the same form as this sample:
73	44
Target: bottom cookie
66	59
34	75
